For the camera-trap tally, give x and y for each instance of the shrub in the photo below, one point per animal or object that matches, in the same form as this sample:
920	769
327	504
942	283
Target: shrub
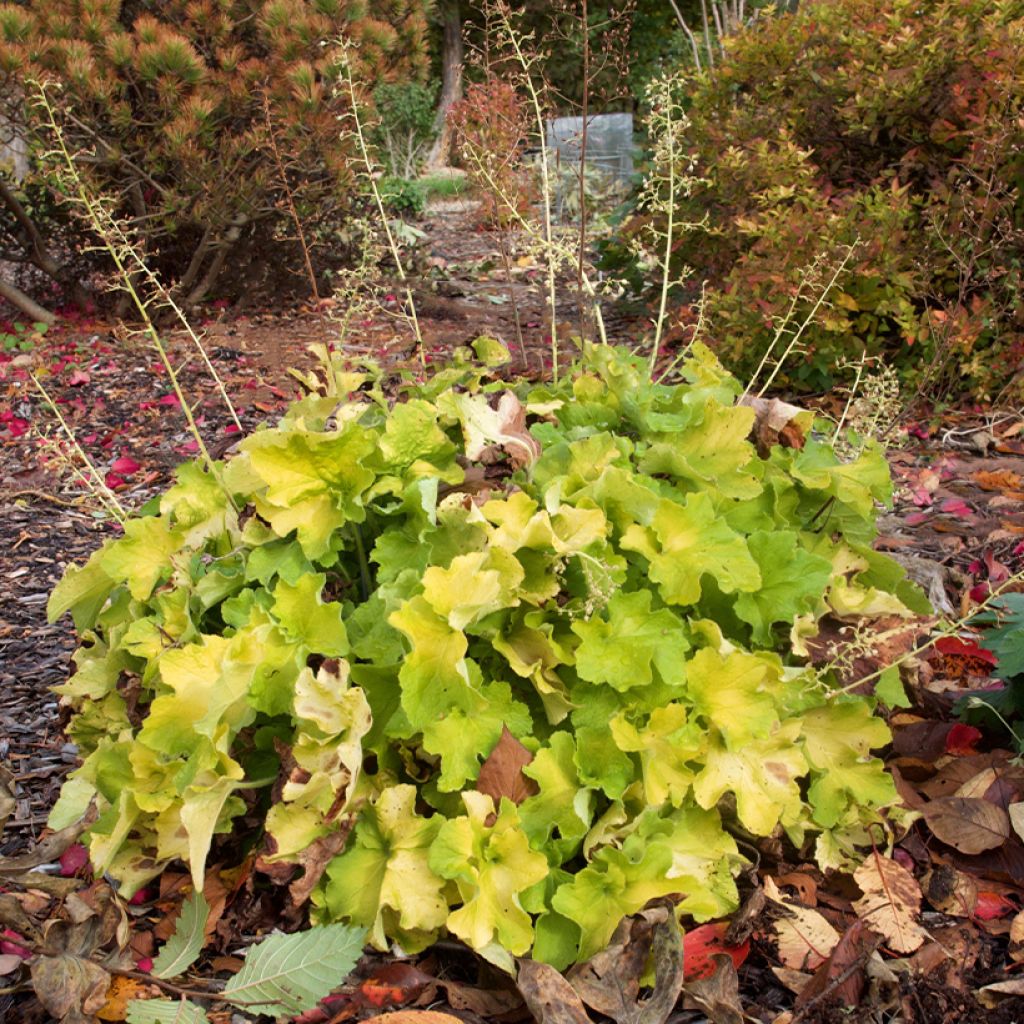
405	128
402	196
537	643
492	127
172	108
877	124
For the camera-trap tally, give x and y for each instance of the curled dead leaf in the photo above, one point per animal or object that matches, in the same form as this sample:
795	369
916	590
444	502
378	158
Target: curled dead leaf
70	986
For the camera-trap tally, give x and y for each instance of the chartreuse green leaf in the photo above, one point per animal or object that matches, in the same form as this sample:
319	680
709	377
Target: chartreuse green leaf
384	881
562	805
624	649
670	747
143	556
602	566
792	582
83	590
491	865
685	541
714	448
734	693
290	974
309	620
182	949
838	739
762	775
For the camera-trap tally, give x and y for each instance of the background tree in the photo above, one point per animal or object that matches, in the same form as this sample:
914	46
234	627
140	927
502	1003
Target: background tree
170	106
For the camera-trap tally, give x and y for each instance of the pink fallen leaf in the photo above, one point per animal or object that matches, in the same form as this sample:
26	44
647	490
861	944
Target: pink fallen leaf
78	378
73	860
113	481
958	508
125	465
169	400
18	426
145	964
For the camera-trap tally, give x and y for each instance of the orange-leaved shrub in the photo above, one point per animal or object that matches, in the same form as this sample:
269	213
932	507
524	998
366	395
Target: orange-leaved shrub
890	131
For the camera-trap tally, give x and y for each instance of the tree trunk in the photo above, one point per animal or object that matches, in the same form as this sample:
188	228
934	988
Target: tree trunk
451	83
17	298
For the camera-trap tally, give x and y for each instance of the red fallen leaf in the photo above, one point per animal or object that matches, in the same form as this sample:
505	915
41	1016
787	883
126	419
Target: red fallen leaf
700	946
168	400
17	426
992	905
961	740
73	860
394	985
144	895
78	378
113	481
964	648
125	465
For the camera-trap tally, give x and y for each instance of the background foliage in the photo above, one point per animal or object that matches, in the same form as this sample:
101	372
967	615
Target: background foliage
892	127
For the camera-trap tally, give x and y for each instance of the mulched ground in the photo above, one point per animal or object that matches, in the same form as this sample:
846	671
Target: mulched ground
958	524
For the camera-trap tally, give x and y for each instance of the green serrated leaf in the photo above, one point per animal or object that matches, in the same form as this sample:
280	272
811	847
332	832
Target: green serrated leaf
290	974
183	947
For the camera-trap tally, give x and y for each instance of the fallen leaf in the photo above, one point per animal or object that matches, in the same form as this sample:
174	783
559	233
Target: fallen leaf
719	995
414	1017
891	902
69	985
795	981
968	825
805	938
839	975
121	991
992	995
1016	812
1016	949
394	984
610	982
549	997
9	963
992	906
701	944
950	891
501	775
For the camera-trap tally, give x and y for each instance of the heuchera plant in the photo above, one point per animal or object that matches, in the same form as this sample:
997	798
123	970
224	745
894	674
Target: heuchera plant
498	659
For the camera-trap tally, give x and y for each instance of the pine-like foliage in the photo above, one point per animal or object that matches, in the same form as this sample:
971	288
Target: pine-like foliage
172	103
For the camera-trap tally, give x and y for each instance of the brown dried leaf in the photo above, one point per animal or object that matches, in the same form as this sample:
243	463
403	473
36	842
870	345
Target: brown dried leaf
502	773
610	982
414	1017
8	802
891	903
854	947
719	995
70	987
859	650
550	998
950	891
1016	812
967	824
